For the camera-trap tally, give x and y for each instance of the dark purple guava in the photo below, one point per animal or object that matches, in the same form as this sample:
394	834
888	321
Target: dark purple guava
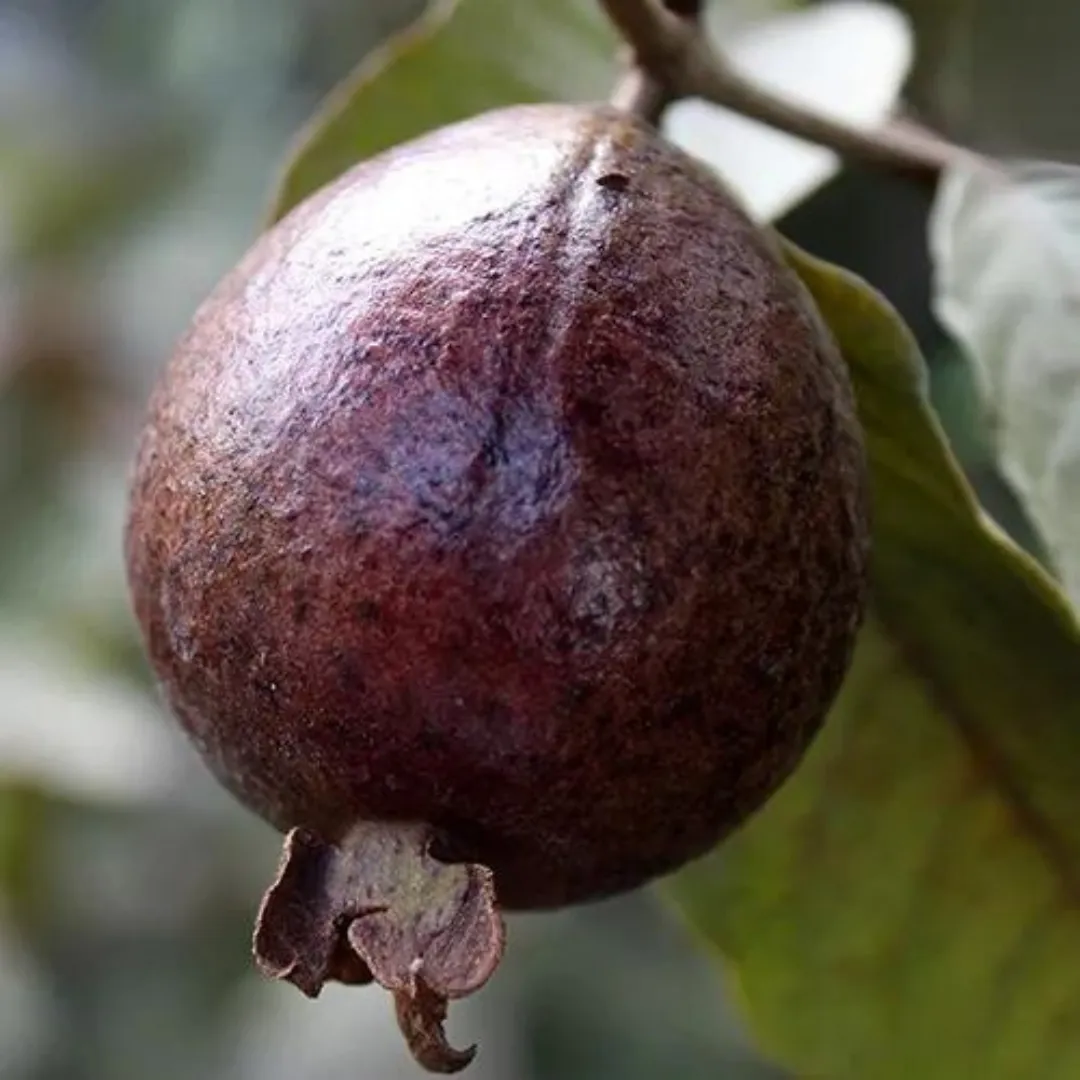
499	531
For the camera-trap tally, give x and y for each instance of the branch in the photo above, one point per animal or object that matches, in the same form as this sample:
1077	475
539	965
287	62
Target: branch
640	92
677	56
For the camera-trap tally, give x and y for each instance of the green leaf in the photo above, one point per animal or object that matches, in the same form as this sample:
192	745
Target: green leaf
909	904
1006	249
463	57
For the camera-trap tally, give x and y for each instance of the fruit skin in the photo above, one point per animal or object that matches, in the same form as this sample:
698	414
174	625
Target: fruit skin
510	484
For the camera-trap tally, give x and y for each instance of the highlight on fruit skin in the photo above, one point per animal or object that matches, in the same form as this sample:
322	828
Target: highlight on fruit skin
499	534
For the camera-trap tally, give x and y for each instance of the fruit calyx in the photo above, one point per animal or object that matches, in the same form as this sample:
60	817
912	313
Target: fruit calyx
378	906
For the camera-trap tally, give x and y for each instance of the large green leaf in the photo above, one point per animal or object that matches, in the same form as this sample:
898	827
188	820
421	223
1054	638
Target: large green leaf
463	57
908	906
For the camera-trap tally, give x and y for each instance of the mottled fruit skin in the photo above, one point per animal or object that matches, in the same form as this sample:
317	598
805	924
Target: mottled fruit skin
512	485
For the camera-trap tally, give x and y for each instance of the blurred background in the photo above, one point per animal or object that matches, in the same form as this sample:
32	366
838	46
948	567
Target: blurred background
138	143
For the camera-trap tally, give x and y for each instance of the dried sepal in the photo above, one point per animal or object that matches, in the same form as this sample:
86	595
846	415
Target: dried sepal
378	906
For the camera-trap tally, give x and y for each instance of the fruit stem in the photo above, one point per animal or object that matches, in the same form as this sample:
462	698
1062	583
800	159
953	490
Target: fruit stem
377	906
639	92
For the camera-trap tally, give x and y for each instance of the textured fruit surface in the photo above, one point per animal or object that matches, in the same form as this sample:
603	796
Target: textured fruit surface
509	485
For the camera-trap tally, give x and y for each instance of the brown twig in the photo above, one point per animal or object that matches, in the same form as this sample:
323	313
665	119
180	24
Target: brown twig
679	60
640	92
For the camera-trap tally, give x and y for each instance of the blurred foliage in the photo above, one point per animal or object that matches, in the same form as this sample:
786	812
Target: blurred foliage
139	143
138	147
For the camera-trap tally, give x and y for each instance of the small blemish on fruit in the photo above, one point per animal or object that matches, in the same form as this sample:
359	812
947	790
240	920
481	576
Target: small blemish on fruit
614	181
